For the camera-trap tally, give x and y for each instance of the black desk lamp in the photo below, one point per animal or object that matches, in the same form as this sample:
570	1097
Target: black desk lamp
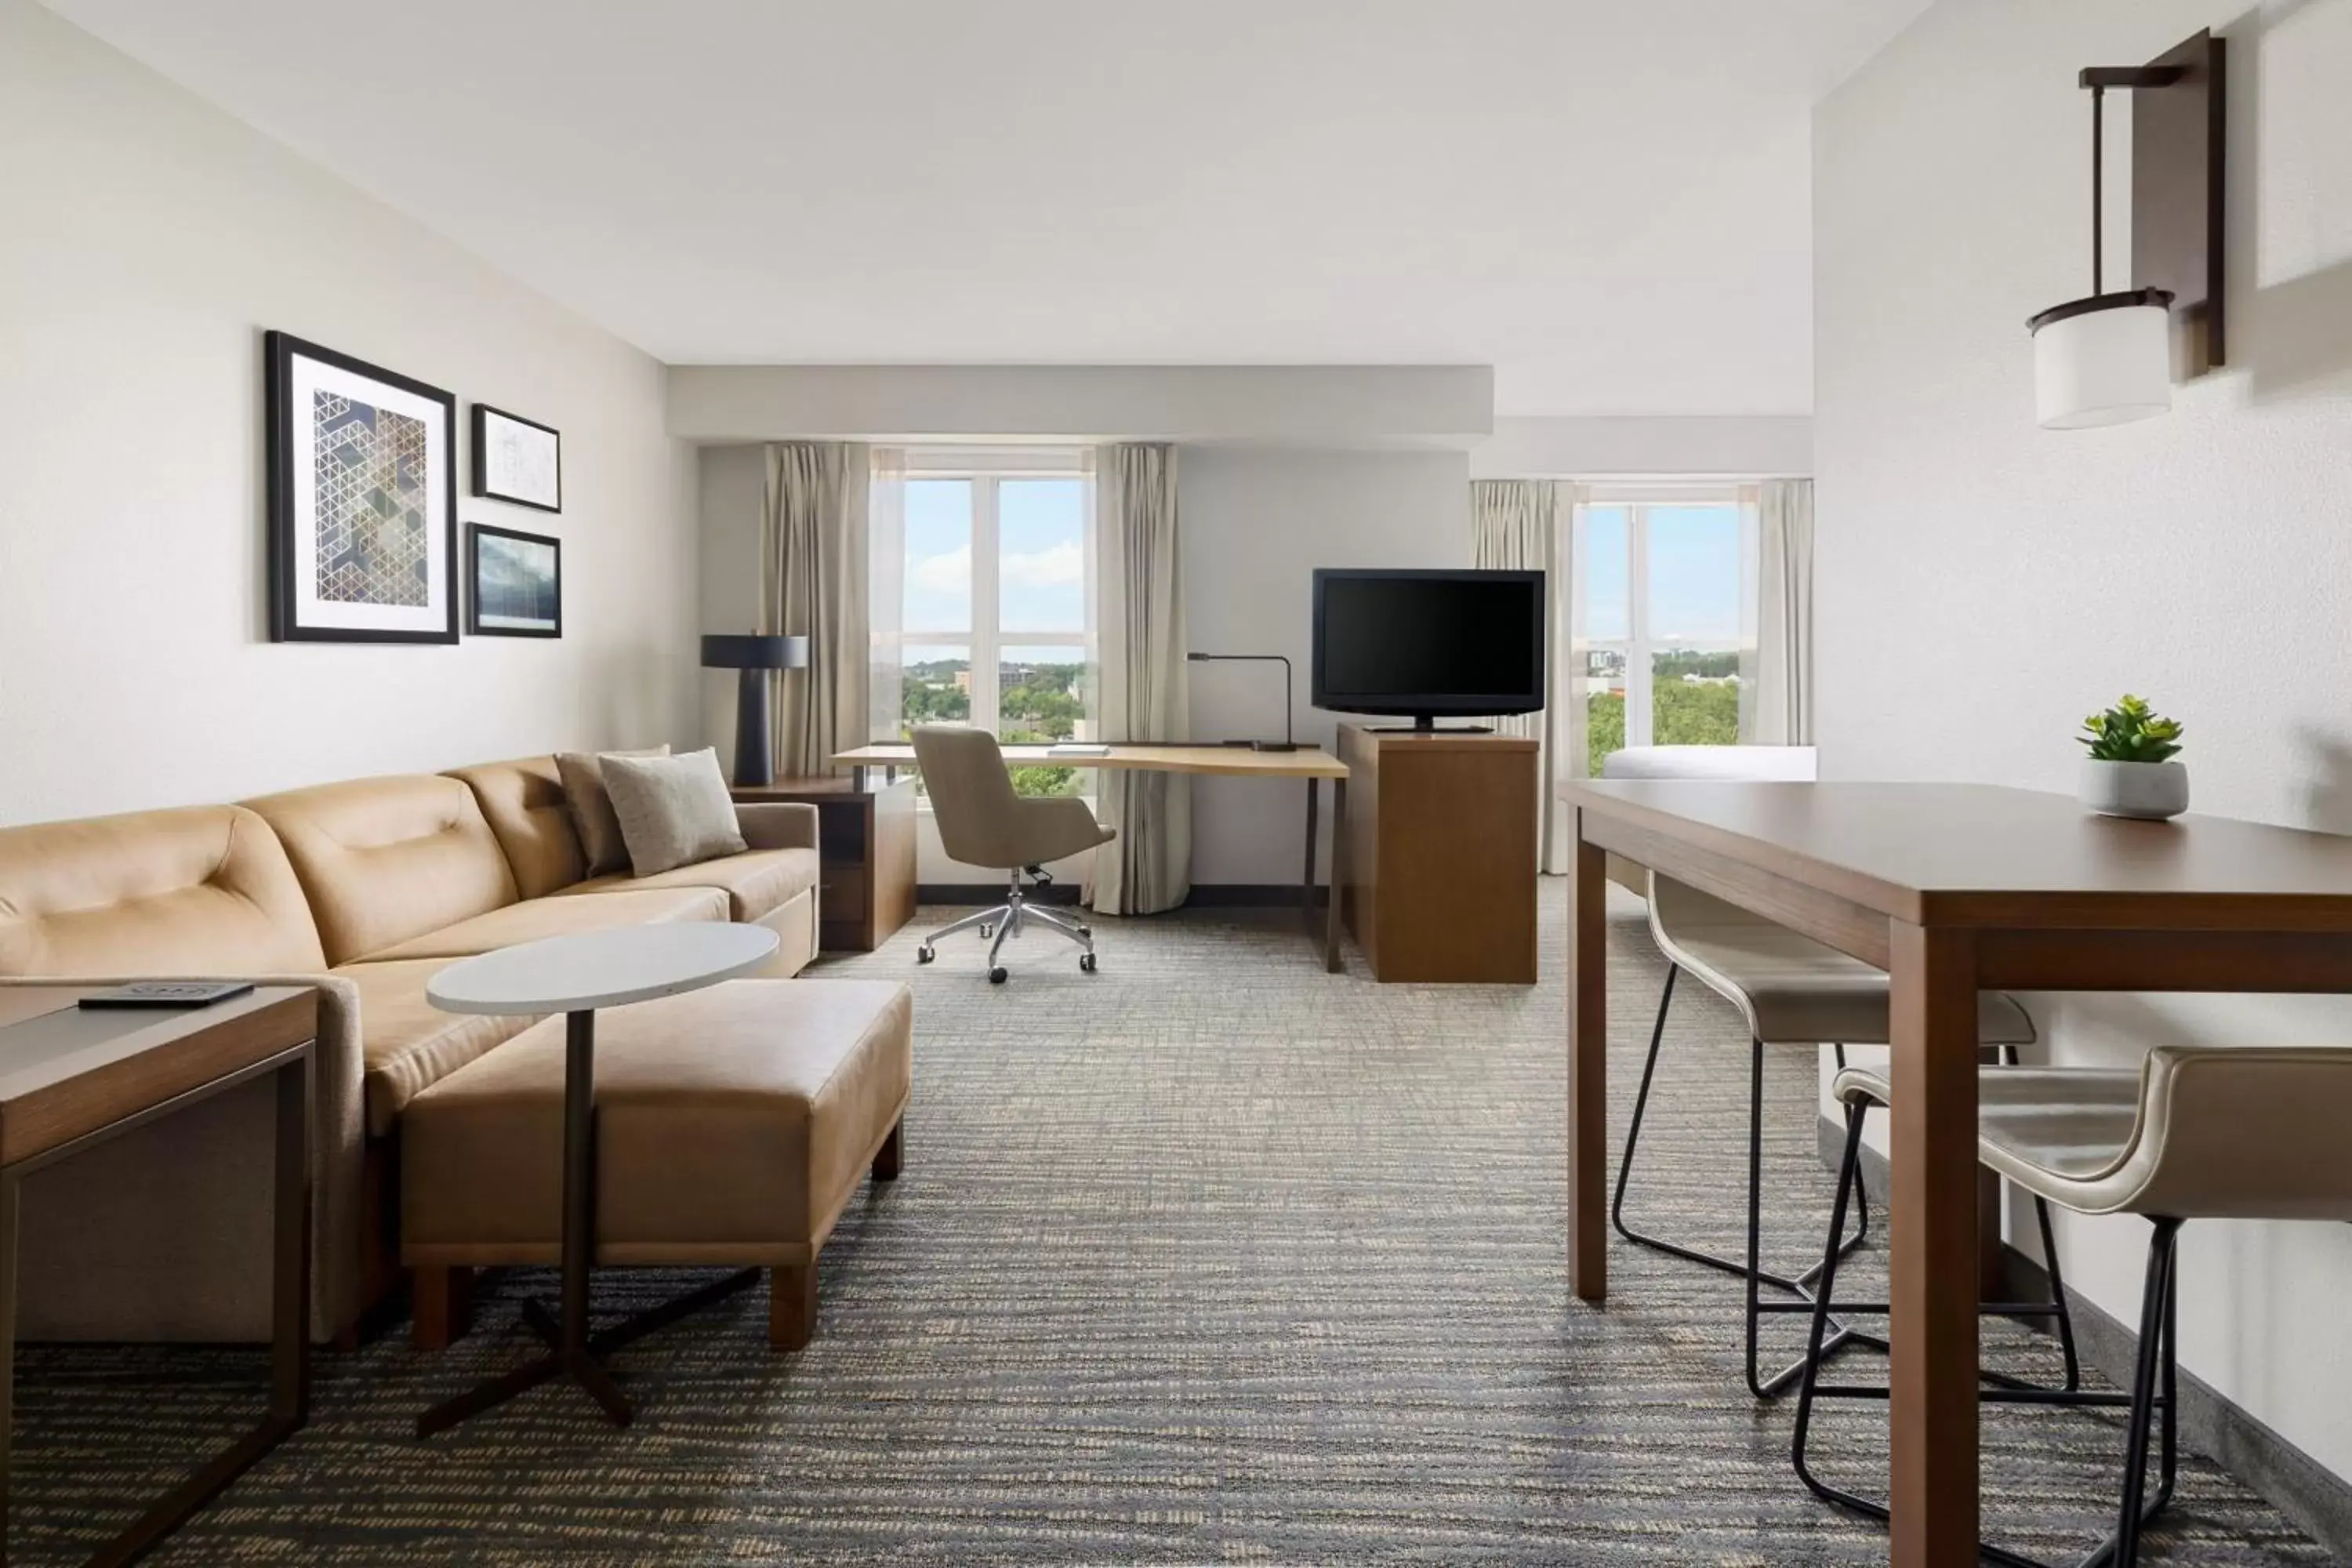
1286	744
755	759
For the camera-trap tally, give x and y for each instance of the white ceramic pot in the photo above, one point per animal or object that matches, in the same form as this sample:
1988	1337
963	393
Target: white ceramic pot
2150	790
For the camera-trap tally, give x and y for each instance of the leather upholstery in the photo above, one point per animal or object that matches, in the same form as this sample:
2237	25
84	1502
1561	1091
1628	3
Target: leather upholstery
755	883
524	802
1790	988
732	1124
558	916
206	890
385	859
406	1042
777	825
2197	1132
981	822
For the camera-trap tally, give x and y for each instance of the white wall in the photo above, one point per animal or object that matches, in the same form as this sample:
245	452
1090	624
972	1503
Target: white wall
1293	406
1256	524
146	242
1744	446
2007	580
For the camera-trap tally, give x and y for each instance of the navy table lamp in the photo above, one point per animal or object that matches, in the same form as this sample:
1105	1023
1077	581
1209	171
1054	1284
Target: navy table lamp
754	655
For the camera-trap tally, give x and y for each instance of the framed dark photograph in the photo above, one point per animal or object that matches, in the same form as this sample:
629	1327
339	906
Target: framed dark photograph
517	459
362	500
516	583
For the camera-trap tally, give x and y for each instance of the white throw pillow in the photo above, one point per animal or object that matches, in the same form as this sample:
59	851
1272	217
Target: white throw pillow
674	811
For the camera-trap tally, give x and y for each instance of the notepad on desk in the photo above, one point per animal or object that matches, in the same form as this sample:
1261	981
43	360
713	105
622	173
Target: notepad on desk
1077	749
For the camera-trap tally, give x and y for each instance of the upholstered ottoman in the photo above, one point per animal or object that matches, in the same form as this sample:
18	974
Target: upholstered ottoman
732	1125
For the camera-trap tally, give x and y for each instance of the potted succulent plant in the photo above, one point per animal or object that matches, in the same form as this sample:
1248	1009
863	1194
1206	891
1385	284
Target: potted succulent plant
2130	771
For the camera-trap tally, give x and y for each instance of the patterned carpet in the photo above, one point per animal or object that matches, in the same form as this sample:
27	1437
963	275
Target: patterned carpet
1210	1257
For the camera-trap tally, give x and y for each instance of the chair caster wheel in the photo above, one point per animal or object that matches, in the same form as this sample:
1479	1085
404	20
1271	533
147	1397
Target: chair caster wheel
999	975
924	954
1086	962
1087	932
987	931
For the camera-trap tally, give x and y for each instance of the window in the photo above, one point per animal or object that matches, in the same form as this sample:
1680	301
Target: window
994	614
1664	633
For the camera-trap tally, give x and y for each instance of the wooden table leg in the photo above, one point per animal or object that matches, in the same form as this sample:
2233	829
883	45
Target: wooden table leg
1588	1074
1933	1225
1331	959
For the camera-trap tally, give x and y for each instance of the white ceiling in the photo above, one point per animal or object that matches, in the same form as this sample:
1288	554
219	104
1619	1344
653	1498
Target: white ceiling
1606	202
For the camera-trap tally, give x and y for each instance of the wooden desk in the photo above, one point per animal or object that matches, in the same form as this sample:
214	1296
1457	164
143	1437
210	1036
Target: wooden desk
72	1079
865	844
1951	889
1308	764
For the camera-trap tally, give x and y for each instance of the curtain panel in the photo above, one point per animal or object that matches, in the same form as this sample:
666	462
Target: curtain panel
1784	622
1143	688
1520	525
814	584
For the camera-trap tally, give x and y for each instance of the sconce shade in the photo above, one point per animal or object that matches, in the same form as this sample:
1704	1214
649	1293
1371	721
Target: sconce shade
2104	360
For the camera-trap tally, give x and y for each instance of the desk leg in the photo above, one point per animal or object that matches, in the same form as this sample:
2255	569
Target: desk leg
1587	1073
1933	1226
1332	961
1307	880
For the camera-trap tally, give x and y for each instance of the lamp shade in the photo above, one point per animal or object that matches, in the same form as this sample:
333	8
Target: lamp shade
745	652
2102	360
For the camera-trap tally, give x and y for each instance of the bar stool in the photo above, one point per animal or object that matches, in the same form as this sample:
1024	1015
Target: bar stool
2194	1133
1791	990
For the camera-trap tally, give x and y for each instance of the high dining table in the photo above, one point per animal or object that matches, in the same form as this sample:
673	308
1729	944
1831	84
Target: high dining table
1950	888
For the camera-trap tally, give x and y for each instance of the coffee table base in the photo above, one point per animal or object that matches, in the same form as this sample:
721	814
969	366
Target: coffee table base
582	1366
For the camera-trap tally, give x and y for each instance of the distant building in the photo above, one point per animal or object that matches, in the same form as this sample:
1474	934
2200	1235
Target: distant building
963	681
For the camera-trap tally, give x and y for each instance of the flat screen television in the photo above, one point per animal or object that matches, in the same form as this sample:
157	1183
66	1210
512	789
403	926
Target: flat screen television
1428	645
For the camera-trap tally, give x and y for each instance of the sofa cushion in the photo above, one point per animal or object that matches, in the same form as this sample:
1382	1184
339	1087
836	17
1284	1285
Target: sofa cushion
674	811
524	803
206	890
558	916
732	1124
406	1044
757	882
386	860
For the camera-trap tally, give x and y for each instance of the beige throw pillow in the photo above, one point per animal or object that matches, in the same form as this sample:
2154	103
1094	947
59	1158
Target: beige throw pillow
582	774
674	811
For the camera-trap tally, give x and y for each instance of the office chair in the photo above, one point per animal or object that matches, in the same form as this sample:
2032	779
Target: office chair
983	823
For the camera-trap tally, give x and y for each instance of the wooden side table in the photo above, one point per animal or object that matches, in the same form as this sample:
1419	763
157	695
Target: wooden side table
71	1077
865	839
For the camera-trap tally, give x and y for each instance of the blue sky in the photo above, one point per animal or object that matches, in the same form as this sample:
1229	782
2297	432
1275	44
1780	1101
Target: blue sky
1693	573
1041	571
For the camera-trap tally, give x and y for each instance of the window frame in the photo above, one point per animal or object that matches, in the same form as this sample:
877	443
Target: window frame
1637	500
985	470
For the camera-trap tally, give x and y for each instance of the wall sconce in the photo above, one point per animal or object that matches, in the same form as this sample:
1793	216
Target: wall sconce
2108	357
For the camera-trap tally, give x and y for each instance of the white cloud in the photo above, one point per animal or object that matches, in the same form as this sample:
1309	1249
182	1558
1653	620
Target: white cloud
1060	565
949	575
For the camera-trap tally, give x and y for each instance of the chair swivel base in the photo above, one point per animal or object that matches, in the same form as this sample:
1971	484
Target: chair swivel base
1012	919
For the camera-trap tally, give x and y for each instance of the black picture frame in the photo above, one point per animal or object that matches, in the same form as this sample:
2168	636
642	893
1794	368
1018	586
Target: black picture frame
475	627
287	622
483	412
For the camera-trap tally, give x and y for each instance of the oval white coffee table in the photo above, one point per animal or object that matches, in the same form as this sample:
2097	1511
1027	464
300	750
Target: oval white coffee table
575	975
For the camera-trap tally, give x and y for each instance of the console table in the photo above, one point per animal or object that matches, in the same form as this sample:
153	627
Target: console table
71	1077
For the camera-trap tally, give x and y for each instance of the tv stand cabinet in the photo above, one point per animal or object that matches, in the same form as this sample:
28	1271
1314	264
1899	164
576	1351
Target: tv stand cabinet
1441	882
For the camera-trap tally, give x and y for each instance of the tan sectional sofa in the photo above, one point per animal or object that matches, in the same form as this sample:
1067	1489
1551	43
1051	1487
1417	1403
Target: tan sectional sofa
365	889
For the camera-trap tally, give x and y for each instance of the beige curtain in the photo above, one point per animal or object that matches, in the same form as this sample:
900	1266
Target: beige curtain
1784	622
886	598
1519	525
813	556
1144	694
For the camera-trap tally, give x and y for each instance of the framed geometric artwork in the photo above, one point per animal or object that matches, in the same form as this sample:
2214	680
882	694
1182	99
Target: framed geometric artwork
514	583
362	501
517	459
